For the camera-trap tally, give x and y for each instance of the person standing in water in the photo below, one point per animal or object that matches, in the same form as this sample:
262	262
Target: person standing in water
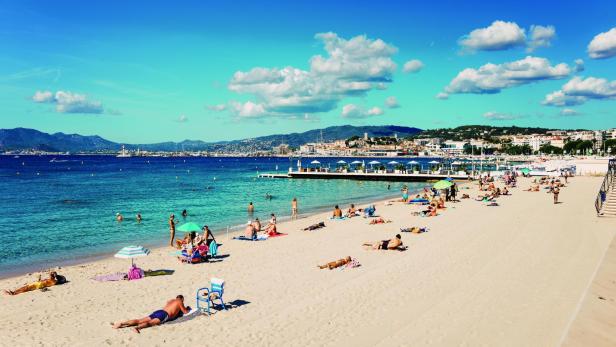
251	208
172	229
139	218
184	213
119	217
294	208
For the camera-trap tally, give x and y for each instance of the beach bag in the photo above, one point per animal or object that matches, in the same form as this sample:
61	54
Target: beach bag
135	273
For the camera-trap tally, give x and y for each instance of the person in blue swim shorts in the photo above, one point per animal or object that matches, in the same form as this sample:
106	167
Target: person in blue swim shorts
173	309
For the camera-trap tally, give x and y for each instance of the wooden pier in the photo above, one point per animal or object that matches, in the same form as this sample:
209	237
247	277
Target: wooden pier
371	176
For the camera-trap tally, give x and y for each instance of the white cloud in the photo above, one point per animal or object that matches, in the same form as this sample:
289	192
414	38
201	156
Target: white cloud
499	35
492	78
540	36
351	68
559	99
603	45
579	65
392	102
247	109
500	116
354	111
217	108
579	90
569	112
43	96
442	96
68	102
182	119
412	66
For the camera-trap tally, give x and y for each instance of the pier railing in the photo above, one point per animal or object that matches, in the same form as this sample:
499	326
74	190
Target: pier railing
606	185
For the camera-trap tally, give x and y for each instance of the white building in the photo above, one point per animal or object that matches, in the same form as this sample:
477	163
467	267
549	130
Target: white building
453	147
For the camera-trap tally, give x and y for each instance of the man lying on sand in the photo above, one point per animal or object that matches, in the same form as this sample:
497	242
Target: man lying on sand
379	220
173	309
54	279
335	264
393	244
315	226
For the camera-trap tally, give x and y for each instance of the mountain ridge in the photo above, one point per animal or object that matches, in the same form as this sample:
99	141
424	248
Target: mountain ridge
25	139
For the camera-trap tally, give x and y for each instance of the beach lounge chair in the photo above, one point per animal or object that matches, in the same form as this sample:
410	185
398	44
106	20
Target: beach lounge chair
208	295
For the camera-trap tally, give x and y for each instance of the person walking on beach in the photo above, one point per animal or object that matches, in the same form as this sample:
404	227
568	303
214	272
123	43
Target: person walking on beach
172	229
294	208
453	190
173	309
555	191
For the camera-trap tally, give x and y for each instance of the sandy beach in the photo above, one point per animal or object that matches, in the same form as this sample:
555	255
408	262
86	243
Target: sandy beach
511	275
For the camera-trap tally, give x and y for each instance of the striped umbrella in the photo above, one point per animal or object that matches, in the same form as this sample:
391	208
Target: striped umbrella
132	252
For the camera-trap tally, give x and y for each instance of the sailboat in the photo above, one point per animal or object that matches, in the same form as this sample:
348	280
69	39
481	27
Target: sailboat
123	153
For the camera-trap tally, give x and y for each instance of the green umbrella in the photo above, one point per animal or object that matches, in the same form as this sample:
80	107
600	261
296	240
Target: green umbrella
188	227
442	184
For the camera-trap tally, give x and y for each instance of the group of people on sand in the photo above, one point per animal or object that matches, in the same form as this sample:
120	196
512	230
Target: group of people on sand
253	228
551	184
196	247
353	212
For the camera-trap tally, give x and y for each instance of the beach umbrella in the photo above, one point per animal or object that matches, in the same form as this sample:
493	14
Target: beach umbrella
188	227
316	162
341	162
131	252
443	184
413	162
374	162
355	162
393	162
456	163
433	162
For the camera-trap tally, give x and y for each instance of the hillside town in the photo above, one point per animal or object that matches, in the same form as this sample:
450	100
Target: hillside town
584	142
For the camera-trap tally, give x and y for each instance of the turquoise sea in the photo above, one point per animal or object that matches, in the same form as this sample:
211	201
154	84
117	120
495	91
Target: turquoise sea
58	210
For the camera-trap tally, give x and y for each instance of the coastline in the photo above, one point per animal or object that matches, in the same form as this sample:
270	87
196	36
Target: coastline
233	230
506	275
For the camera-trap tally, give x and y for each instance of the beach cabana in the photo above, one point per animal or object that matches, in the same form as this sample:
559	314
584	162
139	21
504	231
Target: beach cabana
341	164
357	164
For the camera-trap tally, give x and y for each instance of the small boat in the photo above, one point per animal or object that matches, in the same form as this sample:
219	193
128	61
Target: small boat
123	153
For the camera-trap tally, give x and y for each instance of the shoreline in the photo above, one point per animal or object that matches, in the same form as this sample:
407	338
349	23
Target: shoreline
162	243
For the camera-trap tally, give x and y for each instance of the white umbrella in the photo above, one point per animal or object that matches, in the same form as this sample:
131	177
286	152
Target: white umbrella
341	162
434	162
355	162
393	162
132	252
374	162
456	163
315	162
412	162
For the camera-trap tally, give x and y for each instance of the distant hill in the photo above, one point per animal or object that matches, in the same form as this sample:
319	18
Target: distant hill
22	139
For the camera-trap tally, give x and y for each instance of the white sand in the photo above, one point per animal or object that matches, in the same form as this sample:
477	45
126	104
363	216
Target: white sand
512	275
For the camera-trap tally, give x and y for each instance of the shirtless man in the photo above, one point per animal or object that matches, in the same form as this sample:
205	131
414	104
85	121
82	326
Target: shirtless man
393	244
251	208
337	212
54	279
294	208
555	191
170	312
352	211
172	229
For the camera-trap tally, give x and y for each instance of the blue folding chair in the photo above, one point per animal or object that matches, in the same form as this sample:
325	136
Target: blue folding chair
205	295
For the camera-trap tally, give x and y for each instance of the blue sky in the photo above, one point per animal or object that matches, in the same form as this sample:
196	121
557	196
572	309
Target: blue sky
149	71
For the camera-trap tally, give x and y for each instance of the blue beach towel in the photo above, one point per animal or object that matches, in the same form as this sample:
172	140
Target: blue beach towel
338	218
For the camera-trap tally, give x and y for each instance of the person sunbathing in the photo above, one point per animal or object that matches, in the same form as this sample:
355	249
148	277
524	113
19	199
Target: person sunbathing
393	244
256	225
335	264
505	191
379	220
315	226
54	279
465	196
271	226
337	212
414	230
173	309
351	212
250	231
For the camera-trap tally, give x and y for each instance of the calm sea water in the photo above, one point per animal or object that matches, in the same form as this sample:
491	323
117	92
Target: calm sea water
62	209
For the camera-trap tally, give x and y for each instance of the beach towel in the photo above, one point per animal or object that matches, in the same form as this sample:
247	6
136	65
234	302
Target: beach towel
244	238
338	218
151	273
419	201
118	276
351	265
277	234
213	249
